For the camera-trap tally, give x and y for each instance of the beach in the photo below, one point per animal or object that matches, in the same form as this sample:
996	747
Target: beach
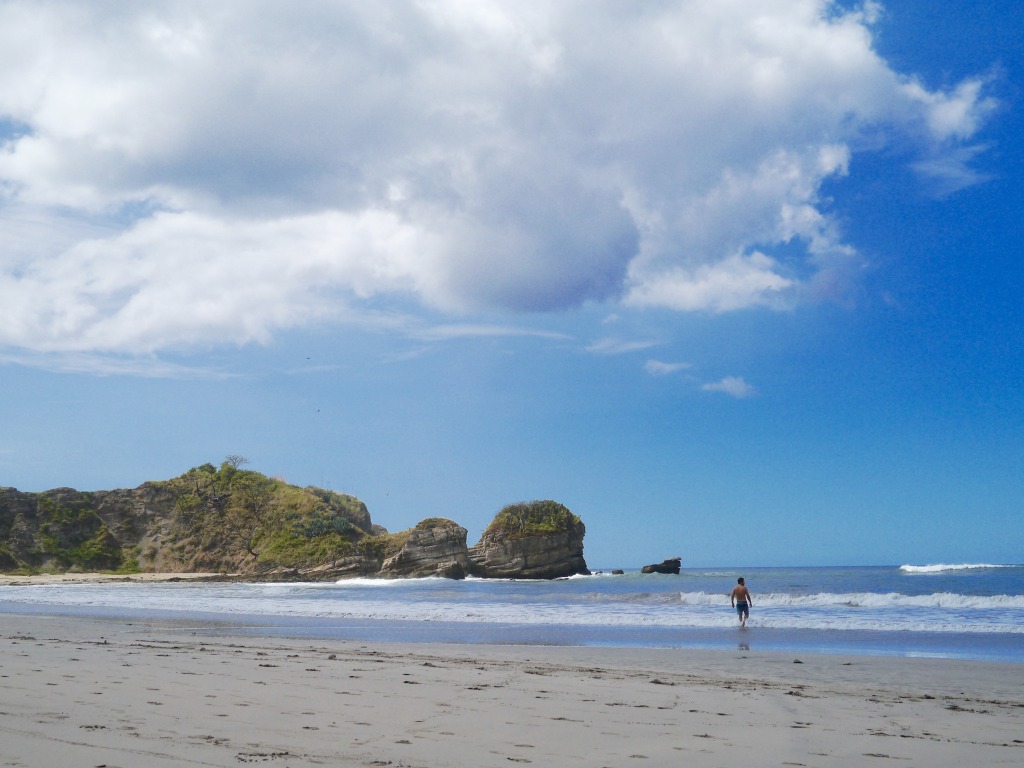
84	691
51	579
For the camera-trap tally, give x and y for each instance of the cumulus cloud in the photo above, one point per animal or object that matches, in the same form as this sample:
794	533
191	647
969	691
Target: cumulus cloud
180	175
733	386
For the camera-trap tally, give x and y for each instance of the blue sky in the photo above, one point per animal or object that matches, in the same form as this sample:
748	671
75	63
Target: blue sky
738	282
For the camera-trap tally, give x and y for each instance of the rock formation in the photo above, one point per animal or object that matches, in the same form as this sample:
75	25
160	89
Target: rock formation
218	520
233	521
671	565
538	540
435	547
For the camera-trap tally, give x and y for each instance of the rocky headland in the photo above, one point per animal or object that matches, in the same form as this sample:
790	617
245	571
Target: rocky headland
242	524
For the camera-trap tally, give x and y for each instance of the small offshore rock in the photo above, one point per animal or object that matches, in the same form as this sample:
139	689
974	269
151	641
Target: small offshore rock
670	565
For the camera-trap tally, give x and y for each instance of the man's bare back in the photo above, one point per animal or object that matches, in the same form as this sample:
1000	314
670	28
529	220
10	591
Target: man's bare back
741	601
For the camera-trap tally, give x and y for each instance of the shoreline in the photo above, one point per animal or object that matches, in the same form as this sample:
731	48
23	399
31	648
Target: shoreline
92	691
265	609
10	580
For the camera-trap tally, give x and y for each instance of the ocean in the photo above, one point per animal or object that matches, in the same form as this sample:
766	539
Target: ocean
957	611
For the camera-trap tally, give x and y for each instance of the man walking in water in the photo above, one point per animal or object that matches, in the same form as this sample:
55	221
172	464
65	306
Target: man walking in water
741	601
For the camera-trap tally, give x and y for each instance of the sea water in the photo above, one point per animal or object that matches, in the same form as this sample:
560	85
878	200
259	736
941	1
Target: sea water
965	611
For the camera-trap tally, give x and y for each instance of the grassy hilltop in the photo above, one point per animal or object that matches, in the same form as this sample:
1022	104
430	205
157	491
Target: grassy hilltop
221	519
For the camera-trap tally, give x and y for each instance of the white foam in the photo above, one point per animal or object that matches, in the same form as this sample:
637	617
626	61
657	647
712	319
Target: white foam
939	612
361	581
868	600
941	567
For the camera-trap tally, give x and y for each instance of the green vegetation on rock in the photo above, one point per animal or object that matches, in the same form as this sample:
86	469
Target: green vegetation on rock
73	536
225	519
534	518
232	518
435	522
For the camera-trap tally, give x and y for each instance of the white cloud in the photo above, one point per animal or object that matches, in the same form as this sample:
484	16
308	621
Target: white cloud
951	171
732	283
214	173
111	365
615	346
182	279
474	331
734	386
659	368
953	115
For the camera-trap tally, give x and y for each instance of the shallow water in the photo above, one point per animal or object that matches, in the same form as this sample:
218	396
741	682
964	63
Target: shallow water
970	611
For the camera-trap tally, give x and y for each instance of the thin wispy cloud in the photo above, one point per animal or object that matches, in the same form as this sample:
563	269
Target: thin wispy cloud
471	331
950	172
176	177
734	386
615	346
112	365
659	368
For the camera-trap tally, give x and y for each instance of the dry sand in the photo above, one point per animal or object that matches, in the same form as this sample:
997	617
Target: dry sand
81	692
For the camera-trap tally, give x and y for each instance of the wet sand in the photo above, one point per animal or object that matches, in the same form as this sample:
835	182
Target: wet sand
83	692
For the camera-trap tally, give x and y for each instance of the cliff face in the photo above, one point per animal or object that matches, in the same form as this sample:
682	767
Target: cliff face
209	519
539	540
230	520
64	528
435	547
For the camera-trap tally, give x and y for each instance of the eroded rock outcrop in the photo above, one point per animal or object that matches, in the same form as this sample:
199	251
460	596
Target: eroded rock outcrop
535	540
671	565
244	525
435	547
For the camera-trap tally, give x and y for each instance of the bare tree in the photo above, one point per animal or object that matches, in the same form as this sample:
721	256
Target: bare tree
246	518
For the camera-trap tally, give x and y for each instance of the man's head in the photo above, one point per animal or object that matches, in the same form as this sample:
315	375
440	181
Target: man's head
740	581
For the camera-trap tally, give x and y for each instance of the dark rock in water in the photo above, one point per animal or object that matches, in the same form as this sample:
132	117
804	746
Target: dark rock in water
671	565
618	572
435	547
535	540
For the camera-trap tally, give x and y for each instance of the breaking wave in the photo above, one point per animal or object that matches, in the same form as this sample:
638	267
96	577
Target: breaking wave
897	608
944	600
941	568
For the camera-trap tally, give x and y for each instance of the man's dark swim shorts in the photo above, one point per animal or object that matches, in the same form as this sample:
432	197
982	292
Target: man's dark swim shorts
741	608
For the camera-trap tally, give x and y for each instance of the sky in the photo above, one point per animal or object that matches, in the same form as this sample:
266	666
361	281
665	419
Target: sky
738	282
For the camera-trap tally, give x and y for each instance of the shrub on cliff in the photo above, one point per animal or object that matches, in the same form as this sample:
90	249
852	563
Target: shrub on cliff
71	534
8	562
254	522
435	522
534	518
